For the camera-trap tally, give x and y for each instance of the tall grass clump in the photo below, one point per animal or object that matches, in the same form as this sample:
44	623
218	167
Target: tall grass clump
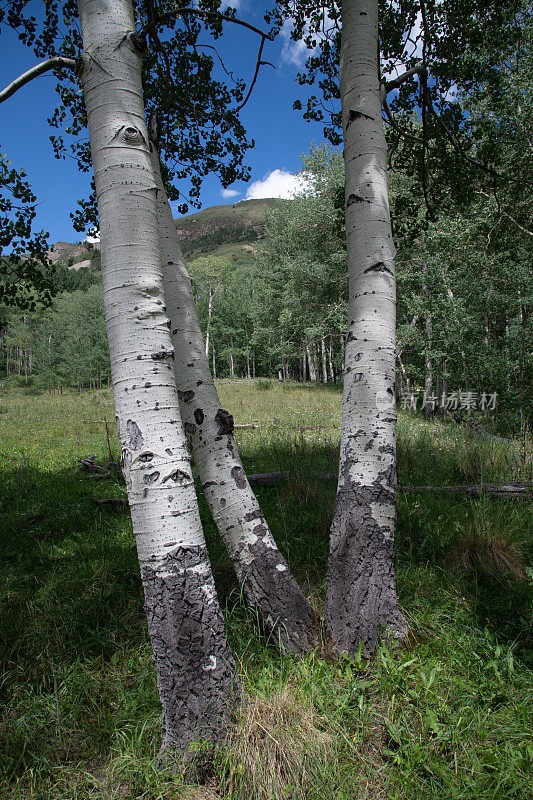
278	749
488	544
264	384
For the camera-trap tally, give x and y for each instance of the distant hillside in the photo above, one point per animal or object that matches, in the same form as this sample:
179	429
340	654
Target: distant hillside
75	256
229	231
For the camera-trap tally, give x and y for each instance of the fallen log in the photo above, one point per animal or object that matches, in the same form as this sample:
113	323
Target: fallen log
512	491
274	478
109	501
89	465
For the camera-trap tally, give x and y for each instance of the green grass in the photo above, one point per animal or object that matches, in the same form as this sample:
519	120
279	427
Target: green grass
446	716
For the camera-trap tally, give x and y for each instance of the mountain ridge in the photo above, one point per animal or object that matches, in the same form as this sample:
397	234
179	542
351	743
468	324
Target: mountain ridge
229	230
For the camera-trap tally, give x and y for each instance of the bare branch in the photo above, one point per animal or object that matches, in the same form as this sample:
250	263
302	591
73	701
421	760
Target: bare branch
503	213
256	73
395	125
57	62
160	49
397	82
200	13
460	150
515	221
228	72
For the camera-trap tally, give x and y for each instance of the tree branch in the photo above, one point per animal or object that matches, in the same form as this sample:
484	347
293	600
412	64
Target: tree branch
228	72
256	73
503	213
515	221
397	82
457	147
395	125
56	62
200	13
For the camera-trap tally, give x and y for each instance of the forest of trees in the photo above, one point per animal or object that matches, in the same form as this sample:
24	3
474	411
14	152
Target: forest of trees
280	312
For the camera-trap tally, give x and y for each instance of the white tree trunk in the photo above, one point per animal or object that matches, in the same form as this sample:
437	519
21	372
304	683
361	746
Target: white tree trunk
428	377
261	569
196	673
311	359
323	358
209	314
428	374
330	360
361	595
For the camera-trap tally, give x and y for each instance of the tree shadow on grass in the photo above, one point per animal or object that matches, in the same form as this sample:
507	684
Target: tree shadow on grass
71	583
429	532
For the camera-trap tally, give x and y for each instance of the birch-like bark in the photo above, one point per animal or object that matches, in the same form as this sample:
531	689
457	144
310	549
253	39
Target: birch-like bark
311	360
330	360
428	374
196	673
428	378
323	358
361	595
261	570
208	327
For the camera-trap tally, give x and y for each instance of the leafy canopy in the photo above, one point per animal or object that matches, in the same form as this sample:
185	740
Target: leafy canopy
199	130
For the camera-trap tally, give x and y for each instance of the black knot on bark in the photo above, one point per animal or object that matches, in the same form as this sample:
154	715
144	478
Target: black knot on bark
380	266
355	198
190	429
135	434
225	422
186	396
353	115
239	476
178	476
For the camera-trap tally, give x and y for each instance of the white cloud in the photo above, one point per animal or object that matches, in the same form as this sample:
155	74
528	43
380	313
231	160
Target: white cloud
236	4
292	52
229	192
296	53
278	183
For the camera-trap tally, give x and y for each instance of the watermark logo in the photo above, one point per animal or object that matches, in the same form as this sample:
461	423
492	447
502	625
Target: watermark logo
385	401
455	401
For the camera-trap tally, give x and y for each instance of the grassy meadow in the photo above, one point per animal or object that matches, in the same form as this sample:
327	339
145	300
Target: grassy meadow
447	715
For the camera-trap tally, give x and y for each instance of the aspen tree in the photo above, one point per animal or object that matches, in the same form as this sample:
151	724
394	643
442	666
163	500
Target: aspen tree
196	673
262	571
361	595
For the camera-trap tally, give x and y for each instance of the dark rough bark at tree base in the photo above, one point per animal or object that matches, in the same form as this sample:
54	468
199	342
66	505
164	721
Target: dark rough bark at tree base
285	613
197	675
361	601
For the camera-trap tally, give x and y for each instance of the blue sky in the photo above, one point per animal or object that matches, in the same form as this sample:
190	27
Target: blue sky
280	133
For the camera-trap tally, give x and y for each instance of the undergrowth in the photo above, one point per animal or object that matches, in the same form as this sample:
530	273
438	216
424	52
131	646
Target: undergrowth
448	715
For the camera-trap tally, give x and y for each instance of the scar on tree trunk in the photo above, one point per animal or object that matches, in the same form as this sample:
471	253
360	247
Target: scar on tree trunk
362	600
197	679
